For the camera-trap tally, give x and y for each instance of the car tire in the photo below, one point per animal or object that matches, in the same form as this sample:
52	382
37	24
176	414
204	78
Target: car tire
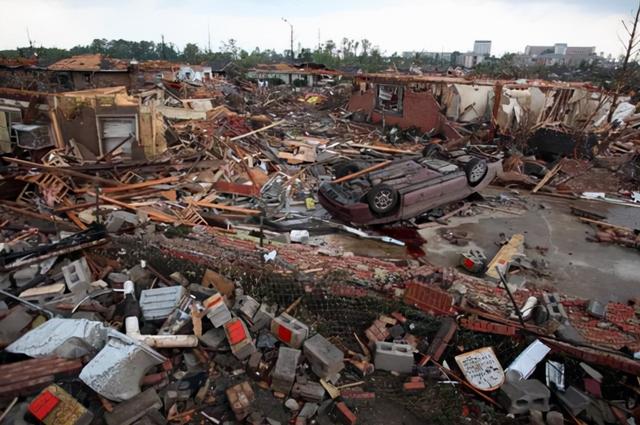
432	151
383	199
476	171
346	168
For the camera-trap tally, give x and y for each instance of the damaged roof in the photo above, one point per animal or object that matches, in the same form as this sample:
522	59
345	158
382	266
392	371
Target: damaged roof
408	79
285	68
97	62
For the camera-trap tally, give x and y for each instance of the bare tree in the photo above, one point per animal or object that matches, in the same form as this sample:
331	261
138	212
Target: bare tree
631	51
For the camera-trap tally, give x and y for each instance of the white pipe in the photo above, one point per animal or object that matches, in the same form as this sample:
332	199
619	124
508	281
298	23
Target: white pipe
132	327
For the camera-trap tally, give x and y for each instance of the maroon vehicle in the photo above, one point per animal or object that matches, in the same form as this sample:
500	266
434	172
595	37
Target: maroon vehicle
407	188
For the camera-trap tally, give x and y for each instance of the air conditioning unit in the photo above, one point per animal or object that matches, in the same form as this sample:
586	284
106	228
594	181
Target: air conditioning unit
33	136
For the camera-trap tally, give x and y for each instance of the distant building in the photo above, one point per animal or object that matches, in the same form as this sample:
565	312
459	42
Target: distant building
481	51
482	47
558	54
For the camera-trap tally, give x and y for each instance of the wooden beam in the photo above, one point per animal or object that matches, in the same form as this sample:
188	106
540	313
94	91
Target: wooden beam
548	176
227	208
362	172
605	224
141	185
382	148
266	127
62	170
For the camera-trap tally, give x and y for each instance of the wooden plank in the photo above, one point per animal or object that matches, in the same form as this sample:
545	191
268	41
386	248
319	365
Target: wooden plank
362	172
62	170
381	148
156	215
548	176
236	188
266	127
133	186
605	224
505	255
227	208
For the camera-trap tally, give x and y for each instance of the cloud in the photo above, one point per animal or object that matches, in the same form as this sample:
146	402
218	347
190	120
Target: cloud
394	26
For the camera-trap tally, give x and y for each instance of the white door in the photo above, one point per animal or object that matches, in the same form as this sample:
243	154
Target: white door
114	131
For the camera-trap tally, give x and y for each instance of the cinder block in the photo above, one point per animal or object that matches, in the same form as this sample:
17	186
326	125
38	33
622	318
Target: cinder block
241	397
117	219
394	357
43	294
77	275
521	396
239	338
309	391
556	310
325	358
217	310
596	309
246	306
289	330
158	303
263	316
284	373
574	400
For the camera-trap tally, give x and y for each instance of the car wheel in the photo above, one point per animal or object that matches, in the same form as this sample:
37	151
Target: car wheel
382	199
431	151
476	170
346	168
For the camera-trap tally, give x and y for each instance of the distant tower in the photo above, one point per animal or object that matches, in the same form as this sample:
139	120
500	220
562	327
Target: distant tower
482	47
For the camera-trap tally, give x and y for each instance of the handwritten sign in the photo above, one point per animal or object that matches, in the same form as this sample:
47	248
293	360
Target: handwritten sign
482	369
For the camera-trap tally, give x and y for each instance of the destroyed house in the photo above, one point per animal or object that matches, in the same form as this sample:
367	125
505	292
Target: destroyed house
89	124
91	71
308	74
427	102
24	74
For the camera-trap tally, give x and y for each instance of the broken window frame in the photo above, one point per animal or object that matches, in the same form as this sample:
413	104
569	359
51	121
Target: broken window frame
39	131
392	106
12	116
100	126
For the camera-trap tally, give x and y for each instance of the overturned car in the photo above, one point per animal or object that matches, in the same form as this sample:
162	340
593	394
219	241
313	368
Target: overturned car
406	187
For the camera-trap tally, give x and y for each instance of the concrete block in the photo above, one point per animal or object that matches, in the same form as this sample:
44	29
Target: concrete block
55	406
263	316
241	397
394	357
239	338
289	330
217	311
325	358
12	325
556	310
596	309
574	400
309	391
131	410
521	396
284	372
246	306
25	275
213	338
117	219
158	303
77	275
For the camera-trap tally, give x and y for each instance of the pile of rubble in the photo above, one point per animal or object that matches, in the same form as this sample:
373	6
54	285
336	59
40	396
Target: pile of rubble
192	284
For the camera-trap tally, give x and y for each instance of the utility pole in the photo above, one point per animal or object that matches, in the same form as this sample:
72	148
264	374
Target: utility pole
291	26
209	37
164	55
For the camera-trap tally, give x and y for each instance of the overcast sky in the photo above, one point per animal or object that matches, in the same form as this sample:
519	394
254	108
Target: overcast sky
398	25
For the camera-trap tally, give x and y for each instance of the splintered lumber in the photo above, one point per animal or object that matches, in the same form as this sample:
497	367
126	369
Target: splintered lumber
156	215
63	170
547	177
605	224
505	255
266	127
362	172
134	186
227	208
381	148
